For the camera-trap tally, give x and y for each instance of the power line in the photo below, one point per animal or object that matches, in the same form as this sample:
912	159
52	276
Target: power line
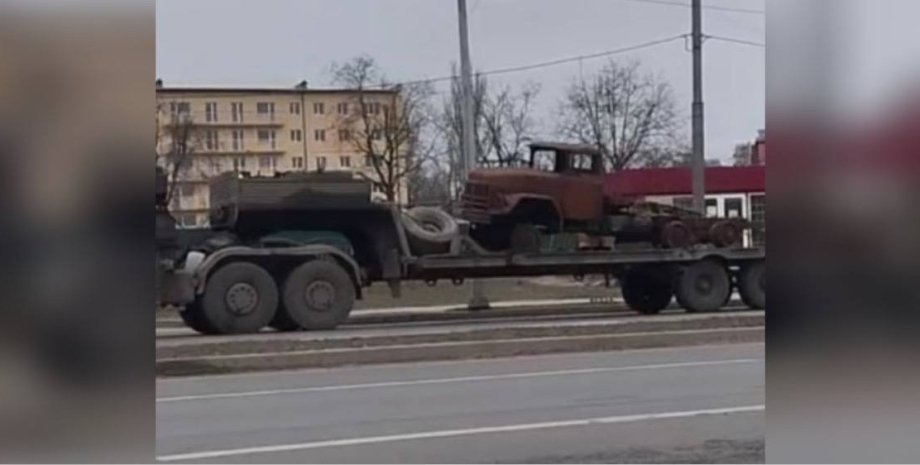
706	7
737	41
559	61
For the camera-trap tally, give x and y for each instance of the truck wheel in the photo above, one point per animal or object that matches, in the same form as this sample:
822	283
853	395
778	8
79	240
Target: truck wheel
725	234
645	291
239	298
318	295
525	238
752	285
676	235
193	317
703	286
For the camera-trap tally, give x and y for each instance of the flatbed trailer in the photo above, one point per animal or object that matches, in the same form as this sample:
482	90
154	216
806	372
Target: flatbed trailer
241	289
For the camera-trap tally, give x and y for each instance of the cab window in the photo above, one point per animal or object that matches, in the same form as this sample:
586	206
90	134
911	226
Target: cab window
544	160
582	162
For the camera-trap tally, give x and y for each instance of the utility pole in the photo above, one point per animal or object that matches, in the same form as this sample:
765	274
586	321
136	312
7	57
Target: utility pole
478	300
699	158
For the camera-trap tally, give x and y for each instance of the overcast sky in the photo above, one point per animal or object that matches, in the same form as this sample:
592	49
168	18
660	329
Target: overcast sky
280	42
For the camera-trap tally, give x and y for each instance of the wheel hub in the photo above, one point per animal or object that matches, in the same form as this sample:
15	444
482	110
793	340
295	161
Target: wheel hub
242	298
320	295
704	285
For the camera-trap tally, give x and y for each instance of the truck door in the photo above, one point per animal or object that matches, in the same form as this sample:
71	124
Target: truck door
582	194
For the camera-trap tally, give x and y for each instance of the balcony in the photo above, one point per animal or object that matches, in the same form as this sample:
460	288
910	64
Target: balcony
200	119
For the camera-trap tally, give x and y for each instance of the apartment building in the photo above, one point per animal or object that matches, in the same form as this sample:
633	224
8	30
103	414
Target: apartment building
261	131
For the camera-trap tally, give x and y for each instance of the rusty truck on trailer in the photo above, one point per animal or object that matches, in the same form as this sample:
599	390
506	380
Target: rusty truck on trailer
559	187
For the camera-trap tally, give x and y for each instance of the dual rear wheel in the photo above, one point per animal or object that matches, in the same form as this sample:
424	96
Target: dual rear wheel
702	286
242	297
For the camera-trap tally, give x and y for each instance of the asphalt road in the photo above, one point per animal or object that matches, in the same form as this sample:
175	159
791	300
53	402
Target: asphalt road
701	404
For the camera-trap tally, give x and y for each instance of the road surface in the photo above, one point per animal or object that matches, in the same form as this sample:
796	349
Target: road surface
684	404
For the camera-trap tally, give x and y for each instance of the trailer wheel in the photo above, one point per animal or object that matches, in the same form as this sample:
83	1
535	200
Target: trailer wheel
317	295
525	238
703	286
646	291
239	298
752	285
193	317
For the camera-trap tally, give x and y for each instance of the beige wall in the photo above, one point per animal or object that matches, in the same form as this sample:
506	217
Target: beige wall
301	138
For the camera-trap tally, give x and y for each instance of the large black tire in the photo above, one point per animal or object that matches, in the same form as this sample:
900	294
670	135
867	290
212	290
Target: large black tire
524	238
752	285
646	291
430	230
193	317
239	298
317	295
703	286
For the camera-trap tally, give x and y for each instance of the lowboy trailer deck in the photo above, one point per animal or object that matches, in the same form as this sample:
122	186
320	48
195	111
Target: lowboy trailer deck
244	288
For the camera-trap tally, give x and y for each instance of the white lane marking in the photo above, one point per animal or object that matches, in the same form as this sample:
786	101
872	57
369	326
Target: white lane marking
386	384
457	432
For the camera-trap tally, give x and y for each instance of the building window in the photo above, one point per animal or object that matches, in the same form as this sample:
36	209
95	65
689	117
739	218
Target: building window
295	108
239	163
342	108
375	134
319	134
372	108
344	135
236	111
296	135
266	108
187	190
368	160
345	162
712	208
319	108
759	219
266	162
684	203
238	142
320	163
210	112
297	162
734	208
180	108
210	140
267	137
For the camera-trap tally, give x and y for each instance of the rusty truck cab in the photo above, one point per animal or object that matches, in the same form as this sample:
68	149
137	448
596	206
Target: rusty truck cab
558	187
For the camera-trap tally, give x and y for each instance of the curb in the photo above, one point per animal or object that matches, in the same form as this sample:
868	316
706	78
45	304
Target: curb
454	350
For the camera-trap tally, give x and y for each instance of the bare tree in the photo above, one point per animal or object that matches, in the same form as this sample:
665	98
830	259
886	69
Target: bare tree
507	125
383	122
177	140
502	123
450	130
622	111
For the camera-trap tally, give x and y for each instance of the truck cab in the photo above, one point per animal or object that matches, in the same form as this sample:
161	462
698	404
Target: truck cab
558	187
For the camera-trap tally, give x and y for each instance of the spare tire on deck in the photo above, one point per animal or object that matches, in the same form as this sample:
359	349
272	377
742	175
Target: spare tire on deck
430	230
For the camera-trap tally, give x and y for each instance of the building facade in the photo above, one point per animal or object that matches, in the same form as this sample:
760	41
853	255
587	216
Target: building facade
259	131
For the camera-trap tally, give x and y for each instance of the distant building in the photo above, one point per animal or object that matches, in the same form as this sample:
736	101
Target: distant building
753	153
759	149
262	131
